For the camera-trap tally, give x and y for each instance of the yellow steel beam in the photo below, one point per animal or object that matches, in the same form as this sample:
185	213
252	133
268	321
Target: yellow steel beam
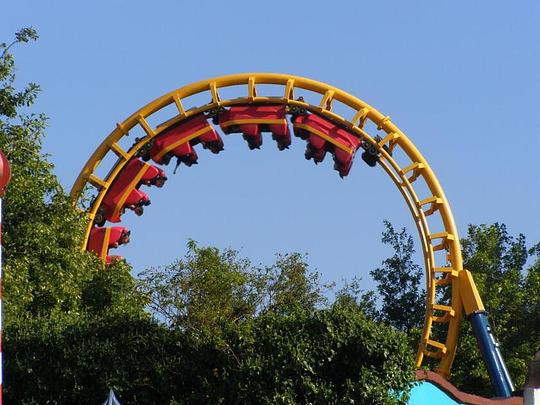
469	293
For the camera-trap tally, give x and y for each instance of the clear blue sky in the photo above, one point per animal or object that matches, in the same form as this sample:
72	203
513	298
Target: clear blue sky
461	79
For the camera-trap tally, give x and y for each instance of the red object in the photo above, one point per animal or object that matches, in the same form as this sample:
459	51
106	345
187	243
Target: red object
179	141
103	239
5	173
124	192
252	120
322	136
153	176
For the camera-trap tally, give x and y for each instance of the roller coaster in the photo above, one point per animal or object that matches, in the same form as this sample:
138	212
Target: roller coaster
331	122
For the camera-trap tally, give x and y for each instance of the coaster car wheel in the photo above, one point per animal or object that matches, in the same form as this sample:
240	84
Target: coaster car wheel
99	219
144	151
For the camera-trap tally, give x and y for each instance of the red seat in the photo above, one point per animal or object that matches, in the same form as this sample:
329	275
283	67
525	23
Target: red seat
153	176
211	141
112	209
179	141
124	192
322	136
254	119
103	239
313	153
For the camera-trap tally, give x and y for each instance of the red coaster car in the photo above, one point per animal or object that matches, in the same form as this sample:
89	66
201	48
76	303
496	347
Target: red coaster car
179	141
254	119
322	136
124	192
103	239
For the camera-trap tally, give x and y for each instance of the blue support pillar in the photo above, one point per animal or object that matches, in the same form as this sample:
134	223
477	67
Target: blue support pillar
500	379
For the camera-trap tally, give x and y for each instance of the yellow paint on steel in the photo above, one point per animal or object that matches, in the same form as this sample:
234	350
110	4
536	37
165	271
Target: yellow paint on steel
325	137
105	245
182	141
273	121
132	184
416	168
470	296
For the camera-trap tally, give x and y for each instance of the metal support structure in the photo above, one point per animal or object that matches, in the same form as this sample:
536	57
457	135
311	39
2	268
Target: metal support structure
489	347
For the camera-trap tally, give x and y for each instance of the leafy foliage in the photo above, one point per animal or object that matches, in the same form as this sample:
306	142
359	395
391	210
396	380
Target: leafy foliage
45	270
336	355
202	292
289	284
113	291
324	356
398	283
11	99
209	290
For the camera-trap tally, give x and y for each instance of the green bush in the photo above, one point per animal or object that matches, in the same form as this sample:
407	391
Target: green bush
325	356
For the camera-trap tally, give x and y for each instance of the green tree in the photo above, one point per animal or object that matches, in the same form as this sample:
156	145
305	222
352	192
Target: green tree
203	292
112	291
41	231
288	284
322	356
329	356
46	273
398	283
10	98
69	362
210	290
353	295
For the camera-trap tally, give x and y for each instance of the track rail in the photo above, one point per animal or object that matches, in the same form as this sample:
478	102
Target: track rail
412	175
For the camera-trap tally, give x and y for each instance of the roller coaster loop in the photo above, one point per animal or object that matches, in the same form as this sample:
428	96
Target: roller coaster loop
330	120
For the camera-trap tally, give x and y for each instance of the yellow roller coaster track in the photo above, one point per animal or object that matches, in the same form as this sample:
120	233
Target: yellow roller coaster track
413	177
